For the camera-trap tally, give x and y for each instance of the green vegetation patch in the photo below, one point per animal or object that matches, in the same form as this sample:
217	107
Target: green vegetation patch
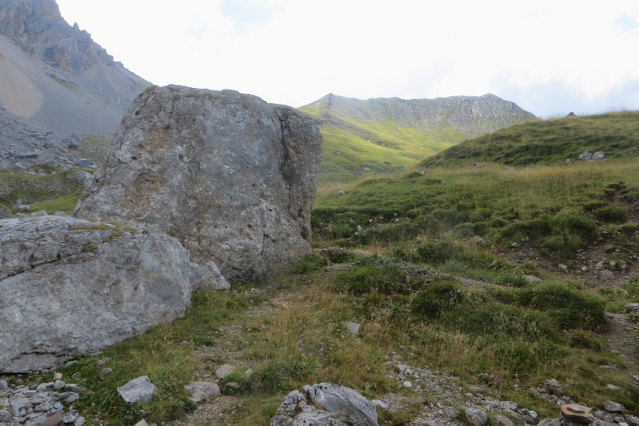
557	210
548	142
51	192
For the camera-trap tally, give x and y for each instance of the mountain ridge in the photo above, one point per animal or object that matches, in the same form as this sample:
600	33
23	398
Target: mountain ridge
369	134
56	76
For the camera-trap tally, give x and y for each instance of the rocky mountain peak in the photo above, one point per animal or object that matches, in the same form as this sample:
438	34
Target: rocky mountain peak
38	27
65	82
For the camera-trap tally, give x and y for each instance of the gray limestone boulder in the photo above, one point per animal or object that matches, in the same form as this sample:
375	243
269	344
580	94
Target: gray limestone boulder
295	410
587	155
599	155
230	176
340	399
71	287
476	417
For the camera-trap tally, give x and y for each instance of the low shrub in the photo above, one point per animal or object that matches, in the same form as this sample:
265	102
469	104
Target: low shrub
512	280
274	376
584	339
571	308
593	205
376	275
440	299
310	263
612	214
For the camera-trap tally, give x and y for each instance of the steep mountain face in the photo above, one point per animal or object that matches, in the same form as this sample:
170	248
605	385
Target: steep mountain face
369	134
56	76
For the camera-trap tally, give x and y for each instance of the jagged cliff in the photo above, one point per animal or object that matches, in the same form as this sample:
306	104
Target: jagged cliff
56	76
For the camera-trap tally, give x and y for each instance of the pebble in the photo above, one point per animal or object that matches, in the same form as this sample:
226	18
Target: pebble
59	384
103	361
71	418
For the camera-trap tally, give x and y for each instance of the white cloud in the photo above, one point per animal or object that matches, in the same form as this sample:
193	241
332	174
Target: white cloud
295	51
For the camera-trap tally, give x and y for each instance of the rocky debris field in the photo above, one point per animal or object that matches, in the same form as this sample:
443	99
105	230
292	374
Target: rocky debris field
28	148
45	404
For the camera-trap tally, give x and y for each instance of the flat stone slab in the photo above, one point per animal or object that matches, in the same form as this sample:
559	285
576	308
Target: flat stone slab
140	389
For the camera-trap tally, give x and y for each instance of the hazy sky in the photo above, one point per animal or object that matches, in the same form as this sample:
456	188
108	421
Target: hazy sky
550	57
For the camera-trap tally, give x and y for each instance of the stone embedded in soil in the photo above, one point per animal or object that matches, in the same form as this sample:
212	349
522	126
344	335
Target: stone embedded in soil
613	407
202	390
353	327
140	389
606	275
224	371
476	417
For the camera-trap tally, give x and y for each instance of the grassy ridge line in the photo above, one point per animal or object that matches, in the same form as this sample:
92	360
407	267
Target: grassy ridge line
548	142
412	129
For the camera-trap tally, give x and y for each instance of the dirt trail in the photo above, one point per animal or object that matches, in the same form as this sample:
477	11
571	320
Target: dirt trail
620	335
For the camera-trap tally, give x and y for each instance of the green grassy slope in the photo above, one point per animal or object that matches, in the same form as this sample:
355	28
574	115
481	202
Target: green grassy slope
51	192
548	142
559	210
377	131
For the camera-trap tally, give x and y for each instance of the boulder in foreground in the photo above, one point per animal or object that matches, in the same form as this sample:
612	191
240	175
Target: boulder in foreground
230	176
71	287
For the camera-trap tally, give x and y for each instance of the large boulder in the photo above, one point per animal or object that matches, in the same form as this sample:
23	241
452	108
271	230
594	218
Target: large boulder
71	287
230	176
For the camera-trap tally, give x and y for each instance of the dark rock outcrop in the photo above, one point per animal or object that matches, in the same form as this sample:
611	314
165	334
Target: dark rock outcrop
230	176
71	287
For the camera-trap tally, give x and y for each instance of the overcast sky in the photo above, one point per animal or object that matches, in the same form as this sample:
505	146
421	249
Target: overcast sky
550	57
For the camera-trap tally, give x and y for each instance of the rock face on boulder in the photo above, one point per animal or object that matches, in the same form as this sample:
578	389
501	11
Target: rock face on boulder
71	287
230	176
